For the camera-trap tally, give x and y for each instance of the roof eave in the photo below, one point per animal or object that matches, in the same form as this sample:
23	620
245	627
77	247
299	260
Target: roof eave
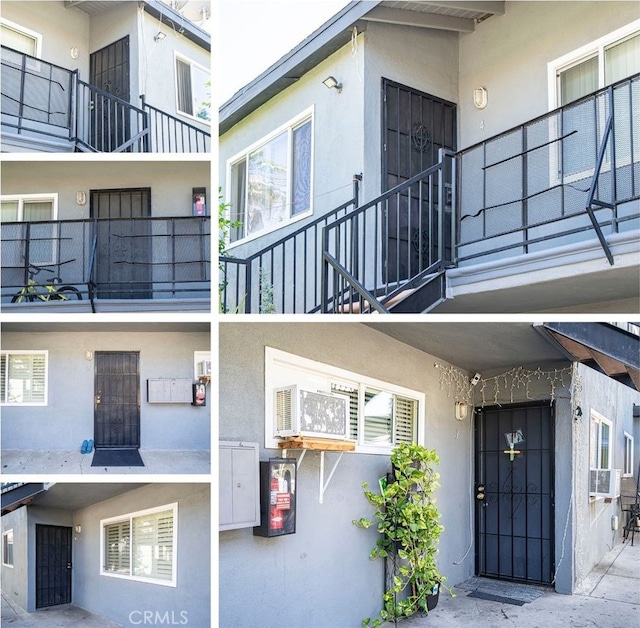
323	42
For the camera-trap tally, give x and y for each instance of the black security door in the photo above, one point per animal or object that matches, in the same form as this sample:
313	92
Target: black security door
514	493
109	71
53	565
117	399
123	253
415	126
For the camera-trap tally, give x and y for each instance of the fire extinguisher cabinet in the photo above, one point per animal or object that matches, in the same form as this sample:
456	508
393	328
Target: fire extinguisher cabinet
277	497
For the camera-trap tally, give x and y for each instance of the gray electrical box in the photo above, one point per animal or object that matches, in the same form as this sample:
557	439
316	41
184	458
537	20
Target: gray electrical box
169	390
239	485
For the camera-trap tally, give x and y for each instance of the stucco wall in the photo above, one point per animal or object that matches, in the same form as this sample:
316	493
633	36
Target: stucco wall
337	134
61	29
327	555
171	183
118	599
15	579
508	55
68	418
593	515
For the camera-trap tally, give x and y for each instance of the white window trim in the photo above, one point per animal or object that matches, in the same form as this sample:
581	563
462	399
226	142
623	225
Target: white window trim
198	357
307	114
45	352
627	472
4	558
582	54
191	62
600	419
320	371
25	31
129	517
42	197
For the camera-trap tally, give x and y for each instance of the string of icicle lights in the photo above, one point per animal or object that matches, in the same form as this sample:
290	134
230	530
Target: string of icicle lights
508	385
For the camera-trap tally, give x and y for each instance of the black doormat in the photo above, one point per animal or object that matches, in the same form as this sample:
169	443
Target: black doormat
483	595
117	458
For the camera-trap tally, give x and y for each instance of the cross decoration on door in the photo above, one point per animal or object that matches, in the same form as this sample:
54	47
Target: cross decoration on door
513	439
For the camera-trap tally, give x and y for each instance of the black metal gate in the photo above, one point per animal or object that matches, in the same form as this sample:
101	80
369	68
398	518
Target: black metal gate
123	253
53	565
415	126
109	71
117	399
514	492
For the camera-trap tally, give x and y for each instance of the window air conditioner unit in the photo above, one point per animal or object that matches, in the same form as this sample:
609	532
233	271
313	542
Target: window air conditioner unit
300	412
204	368
604	482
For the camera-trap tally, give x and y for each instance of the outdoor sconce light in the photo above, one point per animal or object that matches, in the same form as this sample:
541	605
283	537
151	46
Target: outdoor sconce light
78	528
159	37
462	409
81	197
480	97
332	83
88	354
74	52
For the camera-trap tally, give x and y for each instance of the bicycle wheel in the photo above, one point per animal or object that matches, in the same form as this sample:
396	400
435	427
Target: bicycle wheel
21	297
61	294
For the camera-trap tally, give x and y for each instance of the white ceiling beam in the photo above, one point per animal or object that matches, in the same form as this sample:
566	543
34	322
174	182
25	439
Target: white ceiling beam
494	7
421	20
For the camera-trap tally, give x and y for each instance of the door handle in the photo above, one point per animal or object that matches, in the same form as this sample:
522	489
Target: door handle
68	565
98	399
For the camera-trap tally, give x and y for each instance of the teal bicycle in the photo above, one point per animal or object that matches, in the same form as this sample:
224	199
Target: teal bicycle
51	291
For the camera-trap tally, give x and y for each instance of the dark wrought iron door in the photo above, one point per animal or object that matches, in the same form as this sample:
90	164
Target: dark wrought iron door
117	399
53	565
123	253
415	126
514	492
109	71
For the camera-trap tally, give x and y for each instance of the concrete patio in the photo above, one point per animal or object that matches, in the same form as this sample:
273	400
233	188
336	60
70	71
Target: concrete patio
155	461
608	598
65	616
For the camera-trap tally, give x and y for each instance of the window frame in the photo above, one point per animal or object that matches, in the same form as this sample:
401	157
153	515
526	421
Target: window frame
583	53
40	197
627	468
284	369
129	517
14	404
308	115
27	32
5	545
597	420
177	56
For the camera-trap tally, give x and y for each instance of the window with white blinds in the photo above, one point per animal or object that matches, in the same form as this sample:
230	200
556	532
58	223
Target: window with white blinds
381	414
23	378
386	419
142	546
596	65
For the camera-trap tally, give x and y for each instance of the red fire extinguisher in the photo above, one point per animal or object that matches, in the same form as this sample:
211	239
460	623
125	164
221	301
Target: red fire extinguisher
275	514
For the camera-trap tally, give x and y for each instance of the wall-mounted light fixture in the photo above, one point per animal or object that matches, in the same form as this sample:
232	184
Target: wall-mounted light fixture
74	52
81	197
160	36
480	97
462	409
78	528
332	83
88	354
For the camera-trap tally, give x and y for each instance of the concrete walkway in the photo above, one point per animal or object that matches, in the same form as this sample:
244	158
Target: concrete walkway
608	598
155	461
64	616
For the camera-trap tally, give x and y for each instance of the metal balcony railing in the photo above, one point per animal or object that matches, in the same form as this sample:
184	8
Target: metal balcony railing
136	258
42	100
528	189
284	276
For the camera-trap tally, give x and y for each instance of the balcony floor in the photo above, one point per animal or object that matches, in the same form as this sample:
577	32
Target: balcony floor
572	279
65	461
